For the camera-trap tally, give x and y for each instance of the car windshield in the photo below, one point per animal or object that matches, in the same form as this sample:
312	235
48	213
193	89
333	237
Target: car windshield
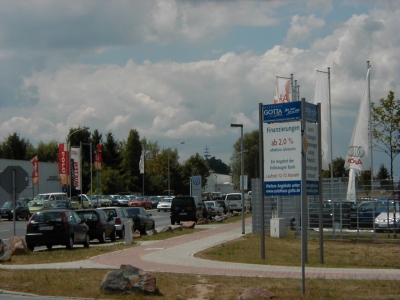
167	200
134	211
42	197
8	204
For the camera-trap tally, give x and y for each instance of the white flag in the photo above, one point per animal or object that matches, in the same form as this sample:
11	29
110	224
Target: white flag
351	187
141	164
358	152
282	90
321	95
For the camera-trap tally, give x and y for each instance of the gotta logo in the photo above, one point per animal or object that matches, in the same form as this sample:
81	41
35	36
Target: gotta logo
355	151
273	112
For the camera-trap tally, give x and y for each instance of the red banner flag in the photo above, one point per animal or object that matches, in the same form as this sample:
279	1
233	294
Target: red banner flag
98	159
35	172
63	165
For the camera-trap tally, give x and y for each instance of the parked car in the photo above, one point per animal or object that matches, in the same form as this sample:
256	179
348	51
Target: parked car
164	204
21	210
154	201
142	220
56	227
141	202
37	205
185	208
214	208
224	205
106	200
388	220
100	225
367	211
334	213
123	200
121	217
234	200
61	204
51	196
81	201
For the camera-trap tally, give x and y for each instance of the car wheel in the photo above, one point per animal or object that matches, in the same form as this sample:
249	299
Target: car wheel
70	244
144	229
113	236
102	238
121	234
172	222
27	217
158	210
30	247
49	246
16	217
153	227
86	243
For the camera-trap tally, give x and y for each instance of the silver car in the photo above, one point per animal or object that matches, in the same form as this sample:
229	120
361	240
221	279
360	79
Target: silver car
121	217
164	204
385	221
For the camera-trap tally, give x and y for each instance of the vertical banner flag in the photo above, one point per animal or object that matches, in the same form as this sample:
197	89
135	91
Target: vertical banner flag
351	187
63	165
282	90
321	95
98	159
35	172
358	152
141	164
76	168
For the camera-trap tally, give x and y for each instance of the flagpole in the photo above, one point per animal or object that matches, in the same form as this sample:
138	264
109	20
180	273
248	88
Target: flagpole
330	121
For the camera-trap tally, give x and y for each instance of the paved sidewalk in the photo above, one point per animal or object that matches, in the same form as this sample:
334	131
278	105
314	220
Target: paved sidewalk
176	255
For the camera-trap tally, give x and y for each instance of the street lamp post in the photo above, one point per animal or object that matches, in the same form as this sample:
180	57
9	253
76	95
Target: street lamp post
69	157
91	168
216	182
169	189
242	172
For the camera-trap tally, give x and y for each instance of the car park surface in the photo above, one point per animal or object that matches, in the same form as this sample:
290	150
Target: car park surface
21	210
141	219
120	216
100	225
56	227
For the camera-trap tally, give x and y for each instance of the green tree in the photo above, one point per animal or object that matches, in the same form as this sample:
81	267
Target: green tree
383	172
218	166
14	147
130	162
338	169
386	127
47	152
196	165
112	152
251	158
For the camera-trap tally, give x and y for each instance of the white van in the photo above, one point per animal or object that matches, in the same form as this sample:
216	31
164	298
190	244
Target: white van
51	196
234	201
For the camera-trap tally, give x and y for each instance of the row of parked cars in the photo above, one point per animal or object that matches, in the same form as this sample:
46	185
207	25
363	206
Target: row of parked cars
383	213
68	227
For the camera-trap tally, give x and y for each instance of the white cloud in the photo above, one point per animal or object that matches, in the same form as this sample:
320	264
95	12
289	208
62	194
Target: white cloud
302	28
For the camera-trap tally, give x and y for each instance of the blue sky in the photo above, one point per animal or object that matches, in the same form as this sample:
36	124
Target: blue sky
185	70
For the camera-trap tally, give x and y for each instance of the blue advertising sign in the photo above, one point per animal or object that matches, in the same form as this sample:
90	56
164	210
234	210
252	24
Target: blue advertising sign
282	112
282	188
311	112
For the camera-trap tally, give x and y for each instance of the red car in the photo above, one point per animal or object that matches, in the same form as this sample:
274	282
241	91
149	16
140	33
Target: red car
141	202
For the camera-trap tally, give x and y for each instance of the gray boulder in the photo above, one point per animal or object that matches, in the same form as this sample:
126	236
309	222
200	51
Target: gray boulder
18	246
5	252
128	279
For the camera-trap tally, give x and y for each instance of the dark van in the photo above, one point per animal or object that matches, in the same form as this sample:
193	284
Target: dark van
185	208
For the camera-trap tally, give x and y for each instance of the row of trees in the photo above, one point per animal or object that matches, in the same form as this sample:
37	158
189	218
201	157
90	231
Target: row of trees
120	171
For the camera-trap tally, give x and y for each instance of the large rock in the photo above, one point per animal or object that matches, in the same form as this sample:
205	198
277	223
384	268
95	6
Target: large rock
128	279
202	221
18	246
256	293
5	252
188	225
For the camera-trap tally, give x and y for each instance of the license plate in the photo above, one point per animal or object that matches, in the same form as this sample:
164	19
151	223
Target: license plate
383	225
46	228
233	205
183	214
4	215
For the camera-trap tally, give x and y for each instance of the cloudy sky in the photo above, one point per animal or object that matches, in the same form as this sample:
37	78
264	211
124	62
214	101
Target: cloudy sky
185	70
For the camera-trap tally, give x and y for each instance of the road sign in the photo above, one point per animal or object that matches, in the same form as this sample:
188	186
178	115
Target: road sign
7	179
